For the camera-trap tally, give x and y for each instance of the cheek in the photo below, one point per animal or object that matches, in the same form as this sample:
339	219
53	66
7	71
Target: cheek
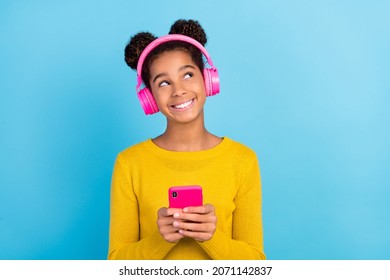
159	92
159	99
202	88
199	85
162	99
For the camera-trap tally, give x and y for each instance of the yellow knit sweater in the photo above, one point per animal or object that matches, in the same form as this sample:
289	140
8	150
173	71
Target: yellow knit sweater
230	178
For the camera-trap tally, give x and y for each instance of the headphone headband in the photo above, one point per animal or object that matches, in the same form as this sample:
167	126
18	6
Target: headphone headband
164	39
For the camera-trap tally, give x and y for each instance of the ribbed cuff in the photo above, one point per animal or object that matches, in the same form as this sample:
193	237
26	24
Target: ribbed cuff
159	246
215	247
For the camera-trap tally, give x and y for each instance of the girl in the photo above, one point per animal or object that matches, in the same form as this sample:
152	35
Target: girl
229	224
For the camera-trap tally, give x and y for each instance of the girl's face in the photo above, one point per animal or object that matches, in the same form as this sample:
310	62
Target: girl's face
177	86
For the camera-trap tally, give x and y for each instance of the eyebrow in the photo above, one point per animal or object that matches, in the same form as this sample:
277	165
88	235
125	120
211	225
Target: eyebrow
180	69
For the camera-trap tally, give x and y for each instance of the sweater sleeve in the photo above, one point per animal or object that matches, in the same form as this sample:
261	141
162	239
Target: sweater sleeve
124	240
247	232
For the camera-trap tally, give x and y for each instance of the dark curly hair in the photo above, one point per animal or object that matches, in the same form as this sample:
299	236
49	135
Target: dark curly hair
139	42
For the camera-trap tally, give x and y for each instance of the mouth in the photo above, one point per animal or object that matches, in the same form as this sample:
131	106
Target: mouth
184	105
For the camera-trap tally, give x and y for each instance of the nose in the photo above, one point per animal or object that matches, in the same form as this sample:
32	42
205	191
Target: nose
178	89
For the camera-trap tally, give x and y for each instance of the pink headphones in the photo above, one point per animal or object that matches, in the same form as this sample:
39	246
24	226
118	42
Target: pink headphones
210	75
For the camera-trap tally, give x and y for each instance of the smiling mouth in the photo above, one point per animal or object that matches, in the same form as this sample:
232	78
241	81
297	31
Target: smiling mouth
183	105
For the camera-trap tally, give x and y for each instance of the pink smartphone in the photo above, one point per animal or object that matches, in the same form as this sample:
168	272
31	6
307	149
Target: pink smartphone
183	196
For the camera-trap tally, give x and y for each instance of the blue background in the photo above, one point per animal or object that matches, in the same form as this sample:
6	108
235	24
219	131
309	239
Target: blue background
304	83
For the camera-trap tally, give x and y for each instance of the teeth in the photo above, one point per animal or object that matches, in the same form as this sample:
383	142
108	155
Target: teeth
181	106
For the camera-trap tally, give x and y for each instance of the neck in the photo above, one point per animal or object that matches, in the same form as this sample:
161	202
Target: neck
187	137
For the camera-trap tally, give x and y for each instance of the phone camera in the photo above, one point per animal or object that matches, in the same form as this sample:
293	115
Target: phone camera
174	194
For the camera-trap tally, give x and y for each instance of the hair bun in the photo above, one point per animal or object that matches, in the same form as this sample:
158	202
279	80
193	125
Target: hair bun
190	28
135	47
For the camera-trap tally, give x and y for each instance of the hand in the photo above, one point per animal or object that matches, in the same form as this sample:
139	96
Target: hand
198	222
165	222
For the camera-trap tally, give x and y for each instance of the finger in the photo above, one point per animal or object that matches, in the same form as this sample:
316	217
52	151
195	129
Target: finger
200	227
174	237
166	212
164	230
165	221
162	212
172	211
199	236
197	218
204	209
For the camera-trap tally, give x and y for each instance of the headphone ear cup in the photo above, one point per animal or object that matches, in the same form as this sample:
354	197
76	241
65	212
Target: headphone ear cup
211	81
147	101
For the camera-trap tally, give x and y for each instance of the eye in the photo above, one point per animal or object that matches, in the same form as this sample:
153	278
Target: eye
188	75
163	84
